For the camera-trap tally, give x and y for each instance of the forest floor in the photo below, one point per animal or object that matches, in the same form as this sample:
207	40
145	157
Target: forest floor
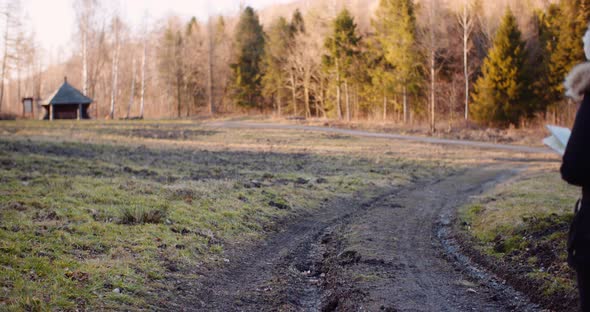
185	216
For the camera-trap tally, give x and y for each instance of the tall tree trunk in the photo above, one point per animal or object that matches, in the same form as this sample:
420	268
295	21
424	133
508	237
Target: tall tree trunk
306	95
114	87
453	97
18	82
466	69
143	68
338	101
405	101
323	98
466	21
347	98
85	61
4	58
432	91
294	93
279	102
384	105
178	94
132	97
433	52
210	69
338	91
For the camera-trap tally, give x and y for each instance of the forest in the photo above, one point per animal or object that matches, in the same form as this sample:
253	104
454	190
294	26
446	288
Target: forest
428	62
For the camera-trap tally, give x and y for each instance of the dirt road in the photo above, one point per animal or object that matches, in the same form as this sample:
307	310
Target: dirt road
412	138
367	252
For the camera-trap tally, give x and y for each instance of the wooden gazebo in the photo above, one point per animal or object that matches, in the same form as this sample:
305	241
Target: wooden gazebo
66	103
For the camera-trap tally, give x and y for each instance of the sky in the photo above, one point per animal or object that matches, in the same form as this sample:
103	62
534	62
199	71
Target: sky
54	20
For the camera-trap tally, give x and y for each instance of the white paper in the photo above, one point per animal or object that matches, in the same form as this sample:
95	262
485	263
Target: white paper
558	140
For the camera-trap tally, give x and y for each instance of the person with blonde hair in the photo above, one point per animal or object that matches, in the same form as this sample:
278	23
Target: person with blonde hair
576	170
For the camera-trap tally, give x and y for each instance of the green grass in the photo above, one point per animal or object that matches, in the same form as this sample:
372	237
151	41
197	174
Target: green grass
81	218
524	224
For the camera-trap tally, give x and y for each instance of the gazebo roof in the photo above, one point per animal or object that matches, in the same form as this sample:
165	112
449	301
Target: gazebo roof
67	94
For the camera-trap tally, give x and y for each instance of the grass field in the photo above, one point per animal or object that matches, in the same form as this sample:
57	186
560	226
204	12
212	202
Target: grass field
103	216
522	226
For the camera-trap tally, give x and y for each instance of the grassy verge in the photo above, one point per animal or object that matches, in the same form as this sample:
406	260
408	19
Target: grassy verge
94	226
520	228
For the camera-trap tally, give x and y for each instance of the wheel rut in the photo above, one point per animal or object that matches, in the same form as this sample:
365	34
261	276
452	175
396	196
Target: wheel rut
378	250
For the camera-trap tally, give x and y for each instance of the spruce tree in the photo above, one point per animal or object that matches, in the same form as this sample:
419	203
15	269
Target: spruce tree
499	95
172	66
247	73
342	47
278	39
546	25
297	22
573	21
381	77
395	31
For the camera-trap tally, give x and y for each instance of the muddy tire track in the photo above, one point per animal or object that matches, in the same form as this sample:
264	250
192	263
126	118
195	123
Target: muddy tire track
400	263
376	251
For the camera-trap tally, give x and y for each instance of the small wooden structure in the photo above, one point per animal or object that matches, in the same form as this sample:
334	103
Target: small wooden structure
28	107
66	103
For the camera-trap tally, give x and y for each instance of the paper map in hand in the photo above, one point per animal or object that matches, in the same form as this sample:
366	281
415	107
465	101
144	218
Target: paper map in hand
558	139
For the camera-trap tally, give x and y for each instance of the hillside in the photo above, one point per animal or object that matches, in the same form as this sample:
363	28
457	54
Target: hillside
363	9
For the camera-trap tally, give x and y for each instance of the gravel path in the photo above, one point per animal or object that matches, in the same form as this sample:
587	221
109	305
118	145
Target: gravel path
419	139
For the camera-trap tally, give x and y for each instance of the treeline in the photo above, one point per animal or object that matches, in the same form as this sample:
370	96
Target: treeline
407	70
412	62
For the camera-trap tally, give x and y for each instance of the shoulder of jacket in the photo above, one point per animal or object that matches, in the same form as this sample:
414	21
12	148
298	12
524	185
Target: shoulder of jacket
577	81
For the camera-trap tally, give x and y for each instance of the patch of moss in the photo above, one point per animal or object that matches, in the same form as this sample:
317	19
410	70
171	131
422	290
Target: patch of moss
524	224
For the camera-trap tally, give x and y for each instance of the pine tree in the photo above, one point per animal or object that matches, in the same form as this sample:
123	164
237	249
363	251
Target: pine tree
499	93
381	76
278	39
297	23
342	47
571	26
395	27
247	73
171	64
546	24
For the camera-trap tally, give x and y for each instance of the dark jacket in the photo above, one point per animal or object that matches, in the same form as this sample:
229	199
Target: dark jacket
576	161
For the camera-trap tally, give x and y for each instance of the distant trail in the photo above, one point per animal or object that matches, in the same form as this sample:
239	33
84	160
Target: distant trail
413	138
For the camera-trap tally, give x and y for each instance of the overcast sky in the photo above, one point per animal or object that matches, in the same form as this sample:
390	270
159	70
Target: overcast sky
54	20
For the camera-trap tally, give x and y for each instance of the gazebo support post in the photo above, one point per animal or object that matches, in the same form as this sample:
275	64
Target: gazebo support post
51	112
79	111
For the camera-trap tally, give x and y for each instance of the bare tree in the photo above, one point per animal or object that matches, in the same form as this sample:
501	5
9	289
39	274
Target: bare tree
433	41
132	96
210	53
116	30
10	22
143	74
7	17
223	53
466	22
94	51
433	51
85	10
304	60
21	47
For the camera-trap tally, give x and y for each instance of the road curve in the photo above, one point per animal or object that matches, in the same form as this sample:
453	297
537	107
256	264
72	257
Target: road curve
373	251
361	133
